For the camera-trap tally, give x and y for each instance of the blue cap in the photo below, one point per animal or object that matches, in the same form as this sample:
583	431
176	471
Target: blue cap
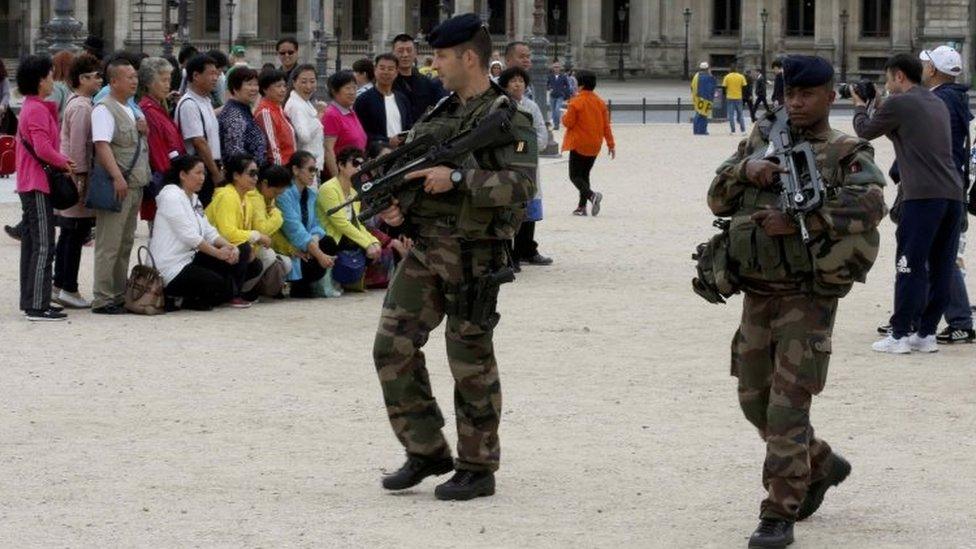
456	30
806	71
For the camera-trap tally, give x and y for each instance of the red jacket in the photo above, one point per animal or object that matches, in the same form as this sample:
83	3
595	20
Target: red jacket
164	138
39	127
279	132
587	122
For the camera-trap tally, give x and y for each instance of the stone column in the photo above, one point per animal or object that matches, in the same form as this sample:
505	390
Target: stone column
637	32
522	15
901	26
827	31
377	21
248	21
593	54
463	6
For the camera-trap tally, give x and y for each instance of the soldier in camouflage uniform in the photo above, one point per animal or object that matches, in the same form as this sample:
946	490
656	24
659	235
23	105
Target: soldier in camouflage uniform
461	225
781	349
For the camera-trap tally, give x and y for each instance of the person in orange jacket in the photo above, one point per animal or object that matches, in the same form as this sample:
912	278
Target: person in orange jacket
587	123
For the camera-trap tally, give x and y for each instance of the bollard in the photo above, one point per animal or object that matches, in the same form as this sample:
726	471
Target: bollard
643	110
678	114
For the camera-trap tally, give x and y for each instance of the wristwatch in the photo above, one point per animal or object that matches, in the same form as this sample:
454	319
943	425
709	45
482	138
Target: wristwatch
457	176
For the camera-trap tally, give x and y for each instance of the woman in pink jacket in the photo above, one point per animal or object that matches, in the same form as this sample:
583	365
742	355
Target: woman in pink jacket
39	131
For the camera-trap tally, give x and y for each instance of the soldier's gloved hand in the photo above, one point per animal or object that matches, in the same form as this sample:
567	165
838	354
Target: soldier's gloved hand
762	173
774	222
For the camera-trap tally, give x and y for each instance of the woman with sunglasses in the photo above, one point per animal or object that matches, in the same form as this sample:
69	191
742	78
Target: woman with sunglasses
196	263
229	213
301	236
343	226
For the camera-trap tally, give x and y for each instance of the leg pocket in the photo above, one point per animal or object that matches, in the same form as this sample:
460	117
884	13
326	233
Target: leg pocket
813	372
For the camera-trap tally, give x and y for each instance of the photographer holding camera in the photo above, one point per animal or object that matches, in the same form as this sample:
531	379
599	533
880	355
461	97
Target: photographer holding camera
930	204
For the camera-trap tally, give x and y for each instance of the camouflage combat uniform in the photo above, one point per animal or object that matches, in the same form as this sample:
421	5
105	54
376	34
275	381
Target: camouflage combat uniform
460	236
782	347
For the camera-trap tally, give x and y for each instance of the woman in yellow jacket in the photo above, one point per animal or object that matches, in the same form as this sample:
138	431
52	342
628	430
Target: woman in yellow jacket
267	219
231	214
343	226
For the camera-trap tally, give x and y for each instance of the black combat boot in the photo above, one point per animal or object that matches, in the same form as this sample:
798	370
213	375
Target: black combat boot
839	469
772	534
465	485
416	469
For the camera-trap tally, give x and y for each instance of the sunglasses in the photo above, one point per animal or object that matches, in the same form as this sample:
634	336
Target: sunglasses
357	162
312	169
287	52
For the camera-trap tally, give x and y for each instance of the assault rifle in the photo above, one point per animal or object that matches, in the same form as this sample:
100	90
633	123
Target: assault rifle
801	186
380	181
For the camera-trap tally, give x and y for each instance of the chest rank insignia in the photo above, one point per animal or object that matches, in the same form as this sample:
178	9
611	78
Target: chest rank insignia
520	147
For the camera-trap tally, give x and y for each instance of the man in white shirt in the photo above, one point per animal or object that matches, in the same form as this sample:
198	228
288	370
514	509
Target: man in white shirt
124	153
197	121
384	112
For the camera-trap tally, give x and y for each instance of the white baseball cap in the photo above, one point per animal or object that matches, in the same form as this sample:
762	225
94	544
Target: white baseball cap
703	65
945	59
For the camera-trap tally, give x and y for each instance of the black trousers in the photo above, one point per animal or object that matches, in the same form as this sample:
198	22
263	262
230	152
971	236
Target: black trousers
207	281
750	104
67	258
754	106
525	246
312	272
36	251
579	173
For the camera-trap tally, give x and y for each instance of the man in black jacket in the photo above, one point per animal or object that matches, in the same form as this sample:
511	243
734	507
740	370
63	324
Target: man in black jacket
384	112
423	92
759	89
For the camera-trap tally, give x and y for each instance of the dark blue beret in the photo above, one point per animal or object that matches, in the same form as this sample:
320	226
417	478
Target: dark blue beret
456	30
806	71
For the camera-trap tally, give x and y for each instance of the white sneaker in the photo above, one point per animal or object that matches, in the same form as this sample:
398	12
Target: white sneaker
73	300
889	344
923	344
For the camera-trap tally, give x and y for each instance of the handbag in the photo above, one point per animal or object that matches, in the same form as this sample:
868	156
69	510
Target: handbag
101	190
350	265
63	190
144	289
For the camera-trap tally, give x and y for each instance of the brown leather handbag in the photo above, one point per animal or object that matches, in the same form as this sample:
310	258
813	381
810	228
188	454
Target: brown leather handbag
144	290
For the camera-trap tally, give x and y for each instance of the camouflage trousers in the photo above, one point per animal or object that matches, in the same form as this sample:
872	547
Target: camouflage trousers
780	355
415	304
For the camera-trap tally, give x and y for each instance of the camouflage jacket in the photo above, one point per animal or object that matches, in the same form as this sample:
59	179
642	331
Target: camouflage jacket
491	201
844	231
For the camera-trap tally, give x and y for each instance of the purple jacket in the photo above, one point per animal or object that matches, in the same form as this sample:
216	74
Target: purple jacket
38	126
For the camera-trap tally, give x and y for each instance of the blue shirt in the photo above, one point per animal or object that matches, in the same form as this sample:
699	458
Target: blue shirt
132	101
300	223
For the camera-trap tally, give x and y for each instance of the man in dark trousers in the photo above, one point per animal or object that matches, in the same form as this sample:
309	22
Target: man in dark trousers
422	91
777	83
759	89
930	205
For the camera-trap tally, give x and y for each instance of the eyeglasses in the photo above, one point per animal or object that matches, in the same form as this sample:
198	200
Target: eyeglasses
312	169
287	52
252	173
358	162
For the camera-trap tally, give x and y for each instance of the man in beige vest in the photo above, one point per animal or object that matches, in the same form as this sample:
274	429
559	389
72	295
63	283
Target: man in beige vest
124	153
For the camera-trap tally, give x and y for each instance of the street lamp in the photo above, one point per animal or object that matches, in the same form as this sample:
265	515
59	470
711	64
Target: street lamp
230	24
338	35
765	17
687	26
556	14
415	12
621	15
322	54
142	24
844	17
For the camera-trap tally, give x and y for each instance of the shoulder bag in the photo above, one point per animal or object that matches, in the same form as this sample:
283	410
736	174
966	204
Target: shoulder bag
63	190
101	189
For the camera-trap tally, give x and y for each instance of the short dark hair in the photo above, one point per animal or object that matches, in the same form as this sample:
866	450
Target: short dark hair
376	148
510	47
181	164
777	63
384	57
220	58
402	37
236	164
351	153
480	44
186	52
364	66
238	76
513	72
31	70
269	78
198	64
299	158
340	79
114	64
276	176
83	64
286	40
304	67
908	64
586	80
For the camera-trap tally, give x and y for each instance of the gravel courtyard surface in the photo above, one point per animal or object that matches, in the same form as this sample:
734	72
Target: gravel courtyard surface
265	427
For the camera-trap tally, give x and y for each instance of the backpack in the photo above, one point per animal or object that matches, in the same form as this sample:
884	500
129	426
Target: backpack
8	162
715	281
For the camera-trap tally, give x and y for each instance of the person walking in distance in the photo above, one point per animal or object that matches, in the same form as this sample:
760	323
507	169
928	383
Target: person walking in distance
734	84
587	122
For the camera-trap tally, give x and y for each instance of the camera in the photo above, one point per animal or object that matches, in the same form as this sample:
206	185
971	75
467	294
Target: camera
865	90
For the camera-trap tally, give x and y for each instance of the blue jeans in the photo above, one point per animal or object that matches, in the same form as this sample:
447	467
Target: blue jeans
555	109
700	124
928	242
735	113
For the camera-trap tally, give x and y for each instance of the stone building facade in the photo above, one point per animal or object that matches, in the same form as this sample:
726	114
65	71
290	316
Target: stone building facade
648	36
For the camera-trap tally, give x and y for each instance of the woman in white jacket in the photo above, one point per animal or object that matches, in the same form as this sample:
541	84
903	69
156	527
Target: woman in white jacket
196	263
305	115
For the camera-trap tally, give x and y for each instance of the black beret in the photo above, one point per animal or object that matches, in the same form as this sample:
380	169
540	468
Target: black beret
806	71
456	30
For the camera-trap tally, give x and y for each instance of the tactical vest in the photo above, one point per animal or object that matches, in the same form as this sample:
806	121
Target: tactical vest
828	266
451	213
